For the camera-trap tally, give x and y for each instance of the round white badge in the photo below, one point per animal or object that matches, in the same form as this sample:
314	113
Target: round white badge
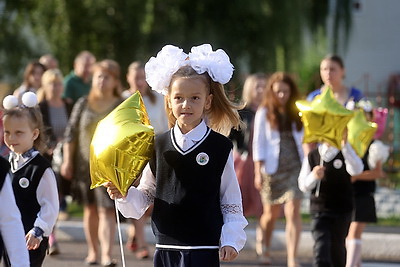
23	182
202	158
337	163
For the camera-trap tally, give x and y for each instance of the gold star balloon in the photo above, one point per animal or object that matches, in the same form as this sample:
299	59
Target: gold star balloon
360	132
324	119
122	145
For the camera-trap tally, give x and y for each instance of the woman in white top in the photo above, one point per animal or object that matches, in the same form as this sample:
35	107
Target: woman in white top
32	79
277	155
154	104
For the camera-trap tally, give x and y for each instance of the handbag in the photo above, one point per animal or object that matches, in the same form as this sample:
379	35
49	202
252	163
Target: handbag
57	160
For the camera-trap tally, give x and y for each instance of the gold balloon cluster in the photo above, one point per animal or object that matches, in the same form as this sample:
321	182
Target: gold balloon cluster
122	145
360	132
325	120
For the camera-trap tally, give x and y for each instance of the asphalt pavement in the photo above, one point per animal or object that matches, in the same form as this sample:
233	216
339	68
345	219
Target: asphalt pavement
73	253
381	247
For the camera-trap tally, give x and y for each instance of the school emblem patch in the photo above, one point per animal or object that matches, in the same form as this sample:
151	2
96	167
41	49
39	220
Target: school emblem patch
202	158
337	163
23	182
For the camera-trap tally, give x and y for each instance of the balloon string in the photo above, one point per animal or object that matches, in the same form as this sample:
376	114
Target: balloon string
321	163
119	234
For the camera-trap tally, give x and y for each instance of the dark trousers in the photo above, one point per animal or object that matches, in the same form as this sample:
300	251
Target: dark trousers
329	231
186	258
36	257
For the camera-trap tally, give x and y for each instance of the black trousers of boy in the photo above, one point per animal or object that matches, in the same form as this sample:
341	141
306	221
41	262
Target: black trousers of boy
186	258
36	257
329	231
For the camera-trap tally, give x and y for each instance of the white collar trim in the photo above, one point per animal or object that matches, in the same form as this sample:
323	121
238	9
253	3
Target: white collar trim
197	135
21	162
327	153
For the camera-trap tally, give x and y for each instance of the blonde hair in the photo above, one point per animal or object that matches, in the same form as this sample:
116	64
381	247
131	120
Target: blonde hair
49	76
249	85
35	121
222	116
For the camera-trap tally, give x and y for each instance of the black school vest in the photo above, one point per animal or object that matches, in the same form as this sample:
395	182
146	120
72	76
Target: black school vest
362	188
336	192
187	210
25	182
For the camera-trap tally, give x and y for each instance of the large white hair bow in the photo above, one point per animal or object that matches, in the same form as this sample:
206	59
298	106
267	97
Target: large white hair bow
202	58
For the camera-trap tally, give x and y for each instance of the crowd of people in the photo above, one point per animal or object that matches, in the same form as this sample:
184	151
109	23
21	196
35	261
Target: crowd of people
215	163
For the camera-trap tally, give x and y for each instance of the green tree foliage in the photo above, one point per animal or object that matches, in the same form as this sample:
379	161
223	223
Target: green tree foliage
259	35
16	46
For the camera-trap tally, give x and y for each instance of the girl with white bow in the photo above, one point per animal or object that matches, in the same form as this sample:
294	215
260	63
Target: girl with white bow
197	217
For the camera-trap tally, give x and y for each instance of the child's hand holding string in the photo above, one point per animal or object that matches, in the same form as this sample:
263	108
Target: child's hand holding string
319	172
227	253
113	191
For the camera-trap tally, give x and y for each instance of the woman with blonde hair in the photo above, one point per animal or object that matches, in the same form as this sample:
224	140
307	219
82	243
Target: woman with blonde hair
253	90
55	112
154	104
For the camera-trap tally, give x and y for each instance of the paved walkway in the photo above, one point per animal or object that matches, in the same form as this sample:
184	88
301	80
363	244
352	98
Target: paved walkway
379	243
73	253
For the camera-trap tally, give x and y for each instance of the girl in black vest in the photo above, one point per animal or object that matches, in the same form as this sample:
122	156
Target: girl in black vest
33	180
364	186
191	178
326	172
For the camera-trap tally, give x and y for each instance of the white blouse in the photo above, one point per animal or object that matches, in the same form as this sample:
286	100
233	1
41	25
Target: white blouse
155	111
140	198
11	228
266	142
